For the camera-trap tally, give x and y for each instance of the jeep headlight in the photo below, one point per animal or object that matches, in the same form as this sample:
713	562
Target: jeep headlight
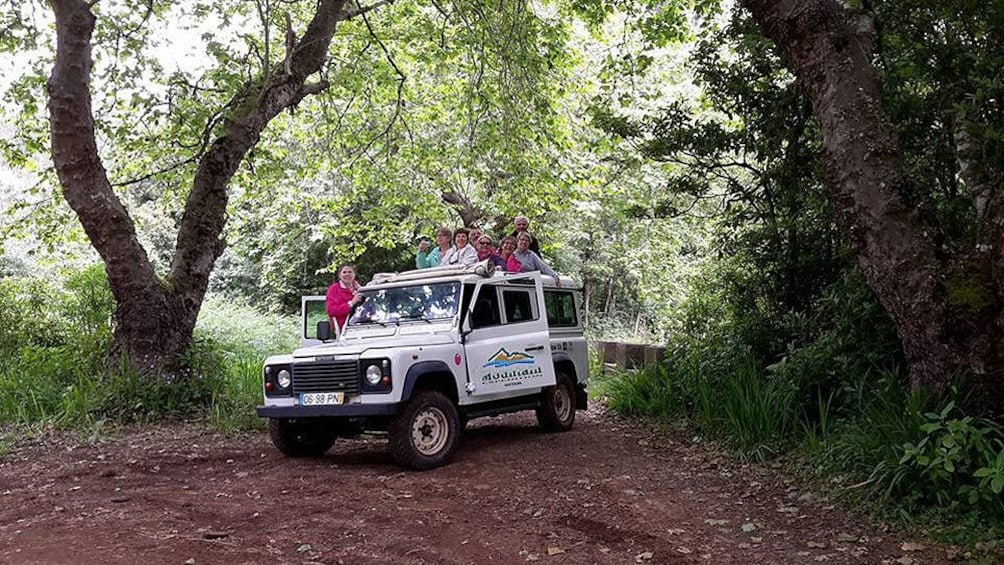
373	374
283	379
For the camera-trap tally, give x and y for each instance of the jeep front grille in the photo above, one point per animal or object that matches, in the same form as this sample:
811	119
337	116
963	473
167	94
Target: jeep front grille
326	376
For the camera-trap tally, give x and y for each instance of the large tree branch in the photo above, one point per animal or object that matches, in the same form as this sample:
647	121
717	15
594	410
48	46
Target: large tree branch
359	10
199	242
82	176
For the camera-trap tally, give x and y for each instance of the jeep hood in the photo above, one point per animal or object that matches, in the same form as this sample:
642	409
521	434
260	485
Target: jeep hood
359	346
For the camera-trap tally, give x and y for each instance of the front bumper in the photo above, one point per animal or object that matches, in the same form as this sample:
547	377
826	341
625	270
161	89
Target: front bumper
339	410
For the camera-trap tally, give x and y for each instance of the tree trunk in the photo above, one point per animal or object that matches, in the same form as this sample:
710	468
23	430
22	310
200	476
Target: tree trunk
869	191
155	317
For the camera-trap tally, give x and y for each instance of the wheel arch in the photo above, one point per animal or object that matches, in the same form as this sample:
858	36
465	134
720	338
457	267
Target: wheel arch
564	364
430	375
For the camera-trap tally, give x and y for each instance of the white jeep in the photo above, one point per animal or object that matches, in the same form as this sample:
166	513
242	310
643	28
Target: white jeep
424	353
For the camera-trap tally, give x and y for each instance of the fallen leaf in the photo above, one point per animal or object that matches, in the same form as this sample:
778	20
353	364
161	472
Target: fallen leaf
716	522
190	561
905	561
756	539
846	537
911	546
748	527
646	556
304	548
684	550
554	551
604	550
816	544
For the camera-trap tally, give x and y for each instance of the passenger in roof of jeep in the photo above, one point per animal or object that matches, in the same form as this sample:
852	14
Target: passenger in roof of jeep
426	257
522	224
476	234
485	251
506	249
530	260
462	253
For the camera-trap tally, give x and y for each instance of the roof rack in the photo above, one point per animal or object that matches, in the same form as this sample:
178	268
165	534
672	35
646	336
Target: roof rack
485	269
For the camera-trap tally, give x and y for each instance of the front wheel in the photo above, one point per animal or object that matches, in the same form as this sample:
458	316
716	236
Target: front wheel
557	410
301	438
426	433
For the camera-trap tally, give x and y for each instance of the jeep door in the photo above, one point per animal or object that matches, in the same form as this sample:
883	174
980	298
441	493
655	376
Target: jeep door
313	309
507	345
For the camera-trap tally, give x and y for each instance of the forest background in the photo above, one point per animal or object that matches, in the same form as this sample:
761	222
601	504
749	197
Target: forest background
670	157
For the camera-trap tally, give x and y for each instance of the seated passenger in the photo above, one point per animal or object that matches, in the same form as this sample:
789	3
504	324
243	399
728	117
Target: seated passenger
511	263
426	258
461	253
530	260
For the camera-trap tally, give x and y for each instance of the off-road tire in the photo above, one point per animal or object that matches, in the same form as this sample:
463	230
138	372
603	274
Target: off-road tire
301	438
426	433
557	410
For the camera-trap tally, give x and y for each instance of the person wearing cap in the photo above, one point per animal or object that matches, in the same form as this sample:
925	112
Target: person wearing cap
522	224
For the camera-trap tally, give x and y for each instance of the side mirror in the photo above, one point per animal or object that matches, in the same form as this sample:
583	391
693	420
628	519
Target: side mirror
324	330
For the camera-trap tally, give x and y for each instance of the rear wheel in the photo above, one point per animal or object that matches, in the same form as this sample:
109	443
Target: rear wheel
426	433
301	438
557	411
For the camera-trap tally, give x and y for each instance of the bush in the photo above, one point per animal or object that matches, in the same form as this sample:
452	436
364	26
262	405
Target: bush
54	343
957	461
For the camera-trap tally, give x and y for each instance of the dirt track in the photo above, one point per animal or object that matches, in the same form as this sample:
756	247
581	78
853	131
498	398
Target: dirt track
605	492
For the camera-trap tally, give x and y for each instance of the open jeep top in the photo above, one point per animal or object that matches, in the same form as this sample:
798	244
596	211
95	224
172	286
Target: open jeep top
427	300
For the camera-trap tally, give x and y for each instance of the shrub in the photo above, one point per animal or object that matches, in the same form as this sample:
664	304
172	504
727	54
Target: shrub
955	455
54	342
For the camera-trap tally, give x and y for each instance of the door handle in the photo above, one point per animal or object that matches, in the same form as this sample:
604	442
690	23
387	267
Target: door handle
537	348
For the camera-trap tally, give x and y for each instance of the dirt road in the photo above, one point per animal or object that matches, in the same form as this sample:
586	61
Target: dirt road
606	492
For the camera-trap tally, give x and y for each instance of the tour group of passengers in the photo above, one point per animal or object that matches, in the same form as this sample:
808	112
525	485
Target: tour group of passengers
517	252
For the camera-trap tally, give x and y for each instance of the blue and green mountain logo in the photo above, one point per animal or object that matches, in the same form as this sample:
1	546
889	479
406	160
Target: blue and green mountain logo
503	358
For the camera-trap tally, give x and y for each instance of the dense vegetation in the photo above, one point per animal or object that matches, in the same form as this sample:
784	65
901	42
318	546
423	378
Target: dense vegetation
668	157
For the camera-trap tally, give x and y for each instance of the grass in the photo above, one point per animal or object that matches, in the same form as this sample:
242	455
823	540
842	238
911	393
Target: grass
65	385
854	440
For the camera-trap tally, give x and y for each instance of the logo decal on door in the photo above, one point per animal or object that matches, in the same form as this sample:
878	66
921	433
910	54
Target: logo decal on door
503	358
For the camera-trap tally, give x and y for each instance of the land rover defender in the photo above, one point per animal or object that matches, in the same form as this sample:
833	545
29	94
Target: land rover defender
425	352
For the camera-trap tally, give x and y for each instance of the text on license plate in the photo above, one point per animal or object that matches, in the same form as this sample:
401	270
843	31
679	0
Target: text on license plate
321	398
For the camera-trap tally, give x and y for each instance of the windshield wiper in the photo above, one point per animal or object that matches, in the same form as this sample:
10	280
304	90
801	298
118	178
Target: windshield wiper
368	322
423	318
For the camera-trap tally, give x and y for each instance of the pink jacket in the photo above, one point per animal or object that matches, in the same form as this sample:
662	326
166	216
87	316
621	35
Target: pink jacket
337	303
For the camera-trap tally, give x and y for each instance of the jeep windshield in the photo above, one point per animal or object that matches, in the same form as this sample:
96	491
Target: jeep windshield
422	303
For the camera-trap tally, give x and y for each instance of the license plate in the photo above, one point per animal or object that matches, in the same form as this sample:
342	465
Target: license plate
321	398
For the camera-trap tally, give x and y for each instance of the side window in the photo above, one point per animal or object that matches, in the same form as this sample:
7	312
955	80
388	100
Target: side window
315	312
560	308
486	308
518	306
